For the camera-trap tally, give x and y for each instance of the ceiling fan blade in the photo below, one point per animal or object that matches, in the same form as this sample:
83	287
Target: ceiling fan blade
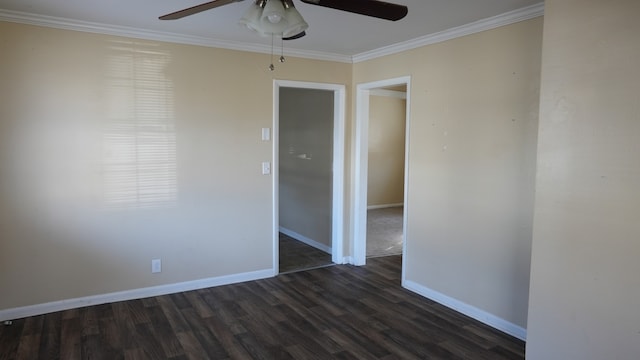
374	8
196	9
296	36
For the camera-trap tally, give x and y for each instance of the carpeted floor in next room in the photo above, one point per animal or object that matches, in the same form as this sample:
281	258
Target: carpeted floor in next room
384	231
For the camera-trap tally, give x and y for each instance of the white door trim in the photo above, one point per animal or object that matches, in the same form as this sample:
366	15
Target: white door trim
337	222
361	162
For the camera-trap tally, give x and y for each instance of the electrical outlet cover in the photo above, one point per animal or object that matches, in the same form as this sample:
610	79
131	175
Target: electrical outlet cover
156	266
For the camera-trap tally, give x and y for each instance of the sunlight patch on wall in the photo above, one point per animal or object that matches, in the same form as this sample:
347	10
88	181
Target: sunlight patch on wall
139	143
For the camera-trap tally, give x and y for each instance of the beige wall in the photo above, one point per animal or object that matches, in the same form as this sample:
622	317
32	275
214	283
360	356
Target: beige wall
474	112
84	206
386	150
81	215
306	162
585	279
114	151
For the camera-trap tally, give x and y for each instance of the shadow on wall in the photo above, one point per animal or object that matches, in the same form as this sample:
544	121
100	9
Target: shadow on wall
73	176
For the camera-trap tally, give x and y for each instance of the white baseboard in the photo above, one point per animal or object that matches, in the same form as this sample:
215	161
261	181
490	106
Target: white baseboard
306	240
383	206
471	311
39	309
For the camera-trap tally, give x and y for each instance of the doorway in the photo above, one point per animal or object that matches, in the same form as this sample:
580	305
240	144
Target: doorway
385	175
308	174
364	99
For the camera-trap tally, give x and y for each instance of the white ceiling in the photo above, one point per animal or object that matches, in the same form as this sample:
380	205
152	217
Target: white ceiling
330	32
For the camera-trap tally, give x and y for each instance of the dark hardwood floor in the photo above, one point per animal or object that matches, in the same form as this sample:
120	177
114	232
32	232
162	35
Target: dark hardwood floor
338	312
296	255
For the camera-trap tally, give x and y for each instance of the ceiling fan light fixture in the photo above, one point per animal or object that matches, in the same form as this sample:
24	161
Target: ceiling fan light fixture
274	17
251	17
296	23
273	12
266	28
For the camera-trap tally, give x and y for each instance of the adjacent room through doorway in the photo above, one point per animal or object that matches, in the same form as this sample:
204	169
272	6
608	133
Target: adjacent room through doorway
385	175
308	181
381	142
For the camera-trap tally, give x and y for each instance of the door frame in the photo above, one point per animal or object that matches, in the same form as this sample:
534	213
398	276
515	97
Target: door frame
337	203
361	161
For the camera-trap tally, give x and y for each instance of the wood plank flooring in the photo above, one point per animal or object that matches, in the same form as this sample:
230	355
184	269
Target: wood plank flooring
337	312
296	255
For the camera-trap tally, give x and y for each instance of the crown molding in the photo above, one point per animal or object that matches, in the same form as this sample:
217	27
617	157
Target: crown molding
99	28
493	22
507	18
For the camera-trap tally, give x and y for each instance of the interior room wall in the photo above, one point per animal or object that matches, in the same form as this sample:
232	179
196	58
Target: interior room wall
385	176
306	164
81	215
115	151
472	150
585	288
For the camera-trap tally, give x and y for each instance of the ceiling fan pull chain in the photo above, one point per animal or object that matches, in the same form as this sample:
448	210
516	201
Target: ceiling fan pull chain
271	67
282	59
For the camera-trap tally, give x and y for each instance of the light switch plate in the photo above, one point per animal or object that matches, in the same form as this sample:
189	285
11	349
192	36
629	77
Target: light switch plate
266	168
266	134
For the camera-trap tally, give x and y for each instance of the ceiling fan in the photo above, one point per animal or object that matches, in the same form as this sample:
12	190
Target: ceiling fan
280	18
